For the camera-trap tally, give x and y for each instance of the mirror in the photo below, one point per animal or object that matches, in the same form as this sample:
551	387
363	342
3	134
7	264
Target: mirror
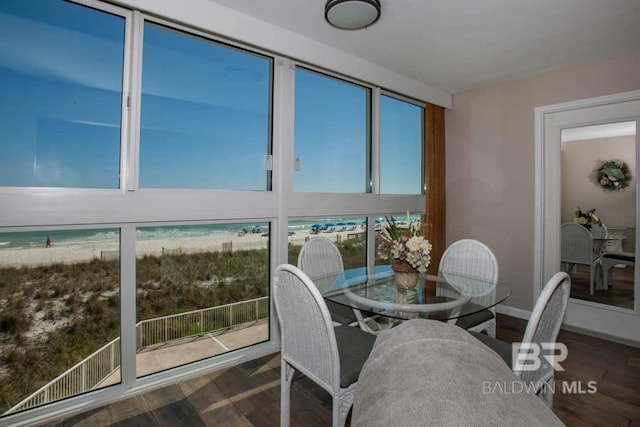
599	185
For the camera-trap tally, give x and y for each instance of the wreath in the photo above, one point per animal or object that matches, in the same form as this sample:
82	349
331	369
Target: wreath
613	175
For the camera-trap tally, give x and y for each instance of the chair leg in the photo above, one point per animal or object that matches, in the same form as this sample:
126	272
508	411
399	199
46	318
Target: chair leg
342	404
491	328
591	272
607	272
286	377
546	394
335	414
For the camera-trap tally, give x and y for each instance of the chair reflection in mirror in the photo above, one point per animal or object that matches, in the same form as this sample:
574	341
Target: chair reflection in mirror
600	234
577	249
599	231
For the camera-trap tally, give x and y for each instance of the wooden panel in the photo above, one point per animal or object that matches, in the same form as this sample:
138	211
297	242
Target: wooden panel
435	179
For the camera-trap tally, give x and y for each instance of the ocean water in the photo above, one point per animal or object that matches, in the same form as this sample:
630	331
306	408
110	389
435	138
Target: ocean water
65	237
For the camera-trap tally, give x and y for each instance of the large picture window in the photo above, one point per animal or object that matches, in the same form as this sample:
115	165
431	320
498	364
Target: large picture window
401	147
59	314
146	169
61	71
202	290
205	117
331	134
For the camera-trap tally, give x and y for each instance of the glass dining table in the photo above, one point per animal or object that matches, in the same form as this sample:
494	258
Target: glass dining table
445	297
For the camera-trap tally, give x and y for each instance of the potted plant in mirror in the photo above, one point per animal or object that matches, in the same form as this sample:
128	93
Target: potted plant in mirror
408	250
586	218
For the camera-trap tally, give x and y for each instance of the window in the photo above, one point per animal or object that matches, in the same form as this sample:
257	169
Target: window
331	134
157	269
348	234
61	85
202	290
401	147
205	118
59	316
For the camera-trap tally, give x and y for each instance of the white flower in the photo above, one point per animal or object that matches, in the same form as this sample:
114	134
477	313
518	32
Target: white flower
415	243
405	245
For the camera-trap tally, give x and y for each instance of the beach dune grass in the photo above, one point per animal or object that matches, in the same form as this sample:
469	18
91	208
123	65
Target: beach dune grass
53	316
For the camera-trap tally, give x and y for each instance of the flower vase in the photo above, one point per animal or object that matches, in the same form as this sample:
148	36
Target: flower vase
405	275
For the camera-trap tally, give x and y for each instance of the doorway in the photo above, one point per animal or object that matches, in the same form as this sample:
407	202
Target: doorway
589	311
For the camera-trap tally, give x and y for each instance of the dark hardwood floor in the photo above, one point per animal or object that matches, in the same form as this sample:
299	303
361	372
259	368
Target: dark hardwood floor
619	294
249	394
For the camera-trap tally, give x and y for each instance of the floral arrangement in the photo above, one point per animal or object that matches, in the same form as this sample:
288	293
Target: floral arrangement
587	218
404	246
613	175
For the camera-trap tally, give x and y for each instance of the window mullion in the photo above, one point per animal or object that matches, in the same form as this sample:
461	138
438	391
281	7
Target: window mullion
283	117
375	141
132	91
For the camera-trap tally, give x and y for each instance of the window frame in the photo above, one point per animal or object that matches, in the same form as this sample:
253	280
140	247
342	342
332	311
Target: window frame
369	91
129	207
221	43
423	151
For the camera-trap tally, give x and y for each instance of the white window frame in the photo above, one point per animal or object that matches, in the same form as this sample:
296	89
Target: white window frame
130	207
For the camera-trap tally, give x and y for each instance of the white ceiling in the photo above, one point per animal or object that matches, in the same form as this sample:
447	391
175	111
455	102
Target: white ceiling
458	45
608	130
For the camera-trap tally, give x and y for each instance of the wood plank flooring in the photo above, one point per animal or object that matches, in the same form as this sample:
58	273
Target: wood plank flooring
620	293
249	394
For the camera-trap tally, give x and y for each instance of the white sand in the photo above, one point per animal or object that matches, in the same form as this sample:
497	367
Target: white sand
82	252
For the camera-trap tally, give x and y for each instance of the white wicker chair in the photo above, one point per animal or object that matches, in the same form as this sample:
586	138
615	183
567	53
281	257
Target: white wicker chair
474	259
543	327
577	248
321	260
599	231
331	357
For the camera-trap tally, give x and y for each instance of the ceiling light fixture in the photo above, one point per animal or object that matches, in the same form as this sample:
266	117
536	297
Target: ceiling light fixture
352	14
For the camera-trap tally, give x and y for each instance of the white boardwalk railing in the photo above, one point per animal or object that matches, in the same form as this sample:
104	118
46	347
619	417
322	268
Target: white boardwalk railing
90	372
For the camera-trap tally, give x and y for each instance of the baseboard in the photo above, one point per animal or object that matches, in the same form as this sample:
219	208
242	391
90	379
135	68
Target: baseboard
513	312
600	335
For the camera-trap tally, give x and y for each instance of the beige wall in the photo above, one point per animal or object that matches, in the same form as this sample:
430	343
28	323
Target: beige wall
579	159
491	160
616	209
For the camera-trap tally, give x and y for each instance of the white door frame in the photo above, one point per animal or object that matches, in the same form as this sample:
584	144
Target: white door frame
593	318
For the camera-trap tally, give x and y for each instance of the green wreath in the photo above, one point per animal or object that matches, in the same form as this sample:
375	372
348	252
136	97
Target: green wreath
613	175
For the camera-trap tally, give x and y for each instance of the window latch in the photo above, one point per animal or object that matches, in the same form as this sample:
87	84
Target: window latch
268	162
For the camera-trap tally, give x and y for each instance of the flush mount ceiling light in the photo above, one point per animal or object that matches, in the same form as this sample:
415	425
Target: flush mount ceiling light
352	14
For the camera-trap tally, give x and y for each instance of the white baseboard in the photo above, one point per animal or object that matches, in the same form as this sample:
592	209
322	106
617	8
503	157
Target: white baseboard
513	312
606	337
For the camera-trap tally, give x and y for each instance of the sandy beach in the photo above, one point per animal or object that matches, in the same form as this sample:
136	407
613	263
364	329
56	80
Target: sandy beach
82	252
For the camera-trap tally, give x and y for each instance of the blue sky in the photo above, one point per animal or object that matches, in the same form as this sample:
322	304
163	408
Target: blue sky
205	111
